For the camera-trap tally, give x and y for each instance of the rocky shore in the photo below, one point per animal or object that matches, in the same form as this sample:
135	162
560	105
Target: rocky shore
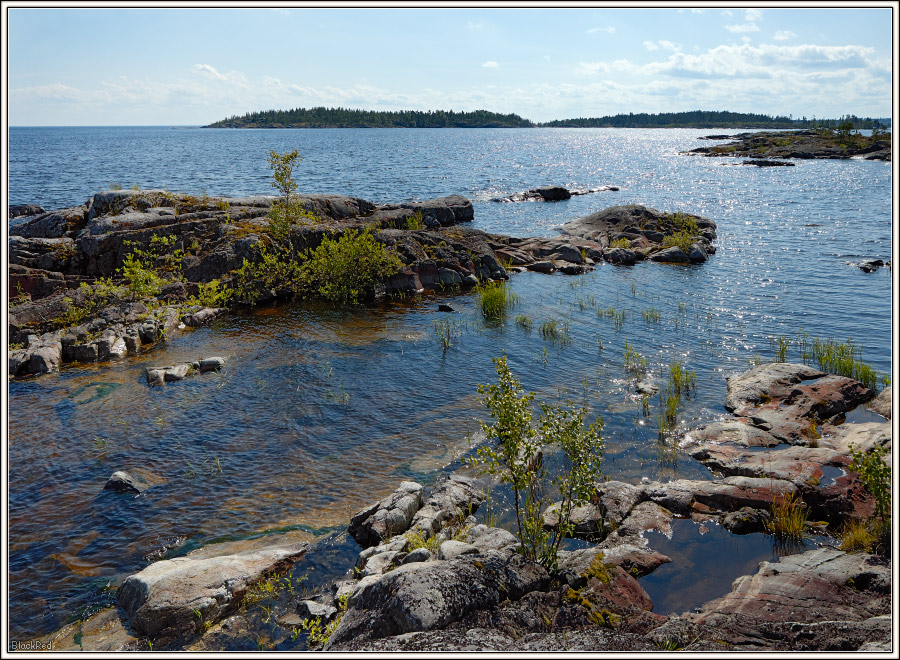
66	266
803	144
430	577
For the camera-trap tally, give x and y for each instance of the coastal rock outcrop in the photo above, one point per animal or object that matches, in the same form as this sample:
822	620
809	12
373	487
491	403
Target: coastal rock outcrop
802	144
162	601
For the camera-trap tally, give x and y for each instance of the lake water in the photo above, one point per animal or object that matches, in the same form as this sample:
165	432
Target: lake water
323	410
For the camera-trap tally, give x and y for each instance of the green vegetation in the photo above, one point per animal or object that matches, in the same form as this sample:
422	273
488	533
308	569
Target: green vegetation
319	632
322	117
343	270
858	536
621	243
287	211
781	345
523	321
447	330
875	475
842	359
146	271
518	460
554	330
788	522
705	119
635	363
651	315
495	299
92	298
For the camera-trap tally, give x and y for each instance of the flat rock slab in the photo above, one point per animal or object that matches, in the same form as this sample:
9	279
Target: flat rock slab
162	599
765	383
818	585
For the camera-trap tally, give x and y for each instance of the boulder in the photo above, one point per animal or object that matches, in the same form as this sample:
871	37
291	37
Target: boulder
392	515
162	599
211	364
881	404
451	549
124	482
454	498
671	255
430	595
620	256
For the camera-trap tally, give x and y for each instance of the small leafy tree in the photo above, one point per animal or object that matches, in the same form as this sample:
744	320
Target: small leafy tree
518	460
287	211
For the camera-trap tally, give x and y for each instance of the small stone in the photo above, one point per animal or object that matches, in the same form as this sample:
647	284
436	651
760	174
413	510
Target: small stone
309	609
211	364
124	482
417	555
451	549
445	308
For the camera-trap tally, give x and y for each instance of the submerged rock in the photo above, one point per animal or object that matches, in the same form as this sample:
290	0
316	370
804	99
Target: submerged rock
124	482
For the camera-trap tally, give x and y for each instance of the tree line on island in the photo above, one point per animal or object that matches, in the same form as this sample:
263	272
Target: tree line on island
321	117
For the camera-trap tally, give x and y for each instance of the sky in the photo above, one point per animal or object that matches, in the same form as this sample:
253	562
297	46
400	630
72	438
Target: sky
71	66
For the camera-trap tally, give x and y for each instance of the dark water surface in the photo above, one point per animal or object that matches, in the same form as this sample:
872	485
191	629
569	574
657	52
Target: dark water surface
323	410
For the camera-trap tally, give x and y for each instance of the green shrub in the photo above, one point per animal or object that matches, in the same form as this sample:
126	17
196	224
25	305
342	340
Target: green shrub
875	475
621	243
681	240
344	269
517	459
278	269
212	294
94	297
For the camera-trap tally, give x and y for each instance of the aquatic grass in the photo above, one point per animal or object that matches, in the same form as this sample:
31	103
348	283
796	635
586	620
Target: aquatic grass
788	521
635	363
447	331
651	315
523	321
681	380
842	359
556	331
495	299
780	344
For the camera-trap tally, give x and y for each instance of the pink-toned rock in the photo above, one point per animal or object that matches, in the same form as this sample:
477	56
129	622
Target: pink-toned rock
881	404
819	585
827	397
734	431
765	383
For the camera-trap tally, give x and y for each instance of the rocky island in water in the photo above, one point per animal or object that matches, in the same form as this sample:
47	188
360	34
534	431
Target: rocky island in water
129	269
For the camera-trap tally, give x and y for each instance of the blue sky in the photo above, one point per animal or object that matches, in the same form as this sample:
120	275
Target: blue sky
179	66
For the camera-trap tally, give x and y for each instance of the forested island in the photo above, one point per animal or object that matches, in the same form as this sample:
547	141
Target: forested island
322	117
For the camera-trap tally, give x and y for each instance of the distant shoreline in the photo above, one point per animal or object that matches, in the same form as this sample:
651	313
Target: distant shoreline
321	117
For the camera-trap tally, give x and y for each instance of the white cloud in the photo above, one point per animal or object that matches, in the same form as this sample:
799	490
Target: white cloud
784	35
490	64
209	70
591	68
609	29
743	27
669	45
649	45
751	16
475	26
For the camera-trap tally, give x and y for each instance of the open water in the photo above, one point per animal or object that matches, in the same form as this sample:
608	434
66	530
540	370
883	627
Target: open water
321	410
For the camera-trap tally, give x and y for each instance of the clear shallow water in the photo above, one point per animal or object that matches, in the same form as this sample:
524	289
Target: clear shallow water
320	411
